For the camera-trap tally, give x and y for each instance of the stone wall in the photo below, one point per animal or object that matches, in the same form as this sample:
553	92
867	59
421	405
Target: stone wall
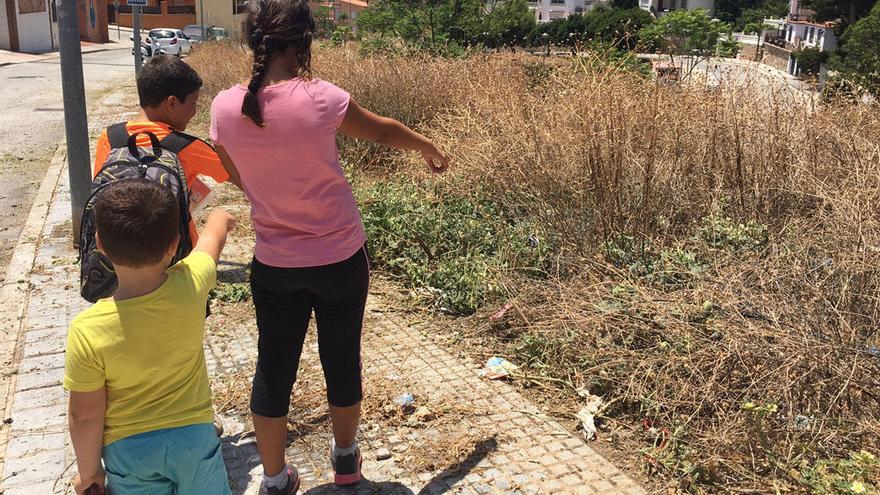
776	57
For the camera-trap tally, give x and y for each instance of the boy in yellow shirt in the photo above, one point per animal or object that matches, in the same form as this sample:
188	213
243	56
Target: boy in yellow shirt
135	366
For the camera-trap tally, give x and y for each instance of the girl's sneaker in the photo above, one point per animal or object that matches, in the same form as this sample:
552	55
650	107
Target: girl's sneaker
347	467
290	489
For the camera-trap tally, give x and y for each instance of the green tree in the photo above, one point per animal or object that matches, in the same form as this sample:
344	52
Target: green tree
685	32
423	21
810	60
618	27
730	11
509	23
848	10
324	21
741	12
859	55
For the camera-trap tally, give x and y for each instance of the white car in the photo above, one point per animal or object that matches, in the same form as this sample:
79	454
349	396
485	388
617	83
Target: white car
170	41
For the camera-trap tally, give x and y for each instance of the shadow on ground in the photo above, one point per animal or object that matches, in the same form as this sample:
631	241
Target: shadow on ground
232	271
241	457
246	451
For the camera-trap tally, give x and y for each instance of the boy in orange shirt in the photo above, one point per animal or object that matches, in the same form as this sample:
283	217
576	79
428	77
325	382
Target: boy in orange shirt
168	90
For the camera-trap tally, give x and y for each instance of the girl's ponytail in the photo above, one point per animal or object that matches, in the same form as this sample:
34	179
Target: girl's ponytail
250	108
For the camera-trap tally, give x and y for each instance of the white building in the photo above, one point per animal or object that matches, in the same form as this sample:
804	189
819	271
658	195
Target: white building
808	34
798	31
548	10
28	26
661	7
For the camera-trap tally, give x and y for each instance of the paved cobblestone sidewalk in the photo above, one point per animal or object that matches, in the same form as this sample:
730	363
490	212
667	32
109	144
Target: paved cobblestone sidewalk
523	451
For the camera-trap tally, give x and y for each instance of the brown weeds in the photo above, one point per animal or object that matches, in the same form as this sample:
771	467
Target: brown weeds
760	363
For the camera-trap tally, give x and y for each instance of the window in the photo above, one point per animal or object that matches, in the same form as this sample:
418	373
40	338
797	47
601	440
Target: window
161	34
239	6
684	4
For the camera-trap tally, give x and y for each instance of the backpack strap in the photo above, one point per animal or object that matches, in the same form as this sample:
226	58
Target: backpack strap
117	135
175	142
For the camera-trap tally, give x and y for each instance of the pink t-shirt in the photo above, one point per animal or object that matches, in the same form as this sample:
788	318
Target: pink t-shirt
302	206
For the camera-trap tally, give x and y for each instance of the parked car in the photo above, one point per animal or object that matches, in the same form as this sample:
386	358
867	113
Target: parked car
147	48
194	32
171	41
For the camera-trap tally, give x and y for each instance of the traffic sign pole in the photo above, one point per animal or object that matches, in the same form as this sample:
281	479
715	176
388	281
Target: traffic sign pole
116	17
76	125
136	36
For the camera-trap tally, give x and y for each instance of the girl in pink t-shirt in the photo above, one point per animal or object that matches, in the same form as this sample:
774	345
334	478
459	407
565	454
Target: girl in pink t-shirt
277	137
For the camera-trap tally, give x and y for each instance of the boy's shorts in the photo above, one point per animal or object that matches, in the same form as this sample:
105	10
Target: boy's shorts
179	461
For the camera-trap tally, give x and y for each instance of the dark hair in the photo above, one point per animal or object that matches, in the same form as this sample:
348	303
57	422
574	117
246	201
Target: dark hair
163	76
137	221
271	27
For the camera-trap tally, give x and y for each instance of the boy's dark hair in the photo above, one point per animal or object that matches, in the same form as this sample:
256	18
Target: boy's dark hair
271	27
163	76
137	221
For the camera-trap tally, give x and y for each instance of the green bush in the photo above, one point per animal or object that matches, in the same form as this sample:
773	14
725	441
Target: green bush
723	232
448	246
856	474
810	60
670	268
231	292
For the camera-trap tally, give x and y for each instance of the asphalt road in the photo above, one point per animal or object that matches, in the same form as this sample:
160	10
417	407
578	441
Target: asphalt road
32	124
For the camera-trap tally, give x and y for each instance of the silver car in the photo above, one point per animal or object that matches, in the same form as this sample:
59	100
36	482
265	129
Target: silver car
212	33
171	41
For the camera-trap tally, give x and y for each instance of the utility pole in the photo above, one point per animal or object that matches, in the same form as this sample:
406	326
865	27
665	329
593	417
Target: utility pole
76	125
202	17
116	18
136	36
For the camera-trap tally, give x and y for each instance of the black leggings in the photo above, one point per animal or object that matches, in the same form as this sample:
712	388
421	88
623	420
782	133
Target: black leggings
284	299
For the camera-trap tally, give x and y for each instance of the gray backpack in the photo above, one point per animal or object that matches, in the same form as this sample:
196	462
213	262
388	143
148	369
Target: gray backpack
126	161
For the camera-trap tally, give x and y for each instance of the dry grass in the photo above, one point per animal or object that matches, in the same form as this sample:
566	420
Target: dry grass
594	154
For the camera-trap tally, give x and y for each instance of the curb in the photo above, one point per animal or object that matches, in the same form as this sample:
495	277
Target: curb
14	291
54	55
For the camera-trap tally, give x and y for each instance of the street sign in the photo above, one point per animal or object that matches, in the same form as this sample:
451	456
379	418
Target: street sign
139	3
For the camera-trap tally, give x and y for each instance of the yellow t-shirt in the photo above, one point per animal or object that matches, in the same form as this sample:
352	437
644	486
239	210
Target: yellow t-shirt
147	351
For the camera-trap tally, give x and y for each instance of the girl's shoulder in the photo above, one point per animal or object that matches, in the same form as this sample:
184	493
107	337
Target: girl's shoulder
229	97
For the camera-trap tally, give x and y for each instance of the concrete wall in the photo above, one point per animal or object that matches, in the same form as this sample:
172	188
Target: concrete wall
4	27
163	19
749	52
93	20
660	6
219	13
35	32
776	57
154	21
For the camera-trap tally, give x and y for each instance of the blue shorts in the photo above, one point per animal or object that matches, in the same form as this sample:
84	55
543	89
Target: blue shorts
174	461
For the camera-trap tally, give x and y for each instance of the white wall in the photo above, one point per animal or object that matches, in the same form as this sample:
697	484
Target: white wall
4	28
34	32
651	5
219	13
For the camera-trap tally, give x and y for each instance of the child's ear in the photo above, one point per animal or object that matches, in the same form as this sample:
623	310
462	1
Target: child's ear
171	103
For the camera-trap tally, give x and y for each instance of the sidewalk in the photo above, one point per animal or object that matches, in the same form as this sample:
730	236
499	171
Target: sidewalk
117	41
468	435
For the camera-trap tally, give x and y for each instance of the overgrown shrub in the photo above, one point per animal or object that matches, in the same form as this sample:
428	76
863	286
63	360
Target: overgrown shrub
453	248
697	251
